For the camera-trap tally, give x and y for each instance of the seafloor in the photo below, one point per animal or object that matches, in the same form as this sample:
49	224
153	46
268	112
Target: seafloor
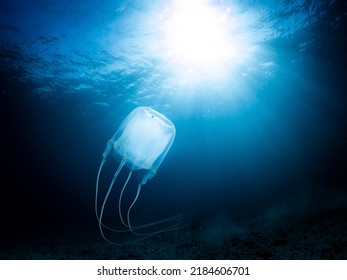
322	236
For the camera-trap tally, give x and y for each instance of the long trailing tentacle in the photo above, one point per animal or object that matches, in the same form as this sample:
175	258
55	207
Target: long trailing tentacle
120	200
101	225
97	187
126	223
133	229
106	197
112	182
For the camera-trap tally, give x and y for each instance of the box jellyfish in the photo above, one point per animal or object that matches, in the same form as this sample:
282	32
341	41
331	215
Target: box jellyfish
141	142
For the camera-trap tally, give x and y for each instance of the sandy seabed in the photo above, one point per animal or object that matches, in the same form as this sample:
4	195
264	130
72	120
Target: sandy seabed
322	236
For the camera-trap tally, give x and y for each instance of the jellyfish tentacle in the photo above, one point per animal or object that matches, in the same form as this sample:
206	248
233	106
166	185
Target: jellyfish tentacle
169	228
120	200
106	197
122	219
97	187
131	206
99	216
111	185
124	222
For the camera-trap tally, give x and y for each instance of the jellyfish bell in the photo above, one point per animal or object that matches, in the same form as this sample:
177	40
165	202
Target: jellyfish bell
141	142
143	139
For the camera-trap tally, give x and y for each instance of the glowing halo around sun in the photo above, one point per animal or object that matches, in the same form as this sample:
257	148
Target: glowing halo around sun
202	40
207	49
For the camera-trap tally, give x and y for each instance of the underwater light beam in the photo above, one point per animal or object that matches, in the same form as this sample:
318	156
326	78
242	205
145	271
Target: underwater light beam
199	37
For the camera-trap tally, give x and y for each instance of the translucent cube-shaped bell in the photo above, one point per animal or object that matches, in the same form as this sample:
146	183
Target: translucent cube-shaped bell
143	139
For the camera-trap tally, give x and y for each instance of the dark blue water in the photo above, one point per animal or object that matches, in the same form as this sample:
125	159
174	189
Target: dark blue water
259	161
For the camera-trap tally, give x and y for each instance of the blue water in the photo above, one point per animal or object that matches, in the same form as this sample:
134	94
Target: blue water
263	139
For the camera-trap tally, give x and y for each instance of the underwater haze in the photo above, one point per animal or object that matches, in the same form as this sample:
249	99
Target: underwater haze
257	93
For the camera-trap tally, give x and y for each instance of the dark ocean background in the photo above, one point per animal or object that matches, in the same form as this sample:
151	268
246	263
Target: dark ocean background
258	168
